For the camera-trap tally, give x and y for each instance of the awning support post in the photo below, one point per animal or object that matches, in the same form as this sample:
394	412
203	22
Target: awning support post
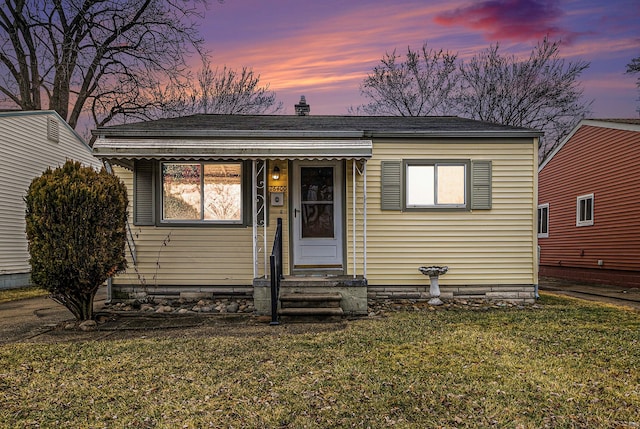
362	172
258	209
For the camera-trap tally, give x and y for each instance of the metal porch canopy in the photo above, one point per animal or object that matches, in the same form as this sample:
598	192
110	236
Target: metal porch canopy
171	148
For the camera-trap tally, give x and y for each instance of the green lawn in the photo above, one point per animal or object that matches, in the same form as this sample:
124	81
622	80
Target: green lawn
568	364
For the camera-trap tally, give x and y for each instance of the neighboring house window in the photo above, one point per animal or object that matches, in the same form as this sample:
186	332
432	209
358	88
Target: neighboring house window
584	210
202	192
435	184
543	220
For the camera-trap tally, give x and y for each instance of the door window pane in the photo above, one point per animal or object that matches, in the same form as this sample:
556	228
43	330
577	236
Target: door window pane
317	207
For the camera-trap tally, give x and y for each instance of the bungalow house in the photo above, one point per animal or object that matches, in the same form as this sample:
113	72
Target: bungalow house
588	204
364	202
30	142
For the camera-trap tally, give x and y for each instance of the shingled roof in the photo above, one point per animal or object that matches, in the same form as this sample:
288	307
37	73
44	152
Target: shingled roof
282	137
271	125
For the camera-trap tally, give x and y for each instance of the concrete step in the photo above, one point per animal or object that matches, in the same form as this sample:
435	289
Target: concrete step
311	296
313	311
310	300
301	305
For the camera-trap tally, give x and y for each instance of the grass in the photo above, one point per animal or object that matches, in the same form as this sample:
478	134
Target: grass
21	293
568	364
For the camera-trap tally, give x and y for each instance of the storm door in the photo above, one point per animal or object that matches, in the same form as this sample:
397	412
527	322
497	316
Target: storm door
317	218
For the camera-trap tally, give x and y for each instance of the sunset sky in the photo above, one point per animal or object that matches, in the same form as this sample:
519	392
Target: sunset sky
323	49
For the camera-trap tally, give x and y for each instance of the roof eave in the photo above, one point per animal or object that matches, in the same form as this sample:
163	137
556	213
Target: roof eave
209	133
456	134
249	134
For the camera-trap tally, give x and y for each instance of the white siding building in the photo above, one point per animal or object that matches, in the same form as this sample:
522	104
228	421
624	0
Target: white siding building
30	142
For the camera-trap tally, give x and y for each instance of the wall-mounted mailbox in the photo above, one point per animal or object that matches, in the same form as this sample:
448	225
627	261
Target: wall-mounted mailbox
277	199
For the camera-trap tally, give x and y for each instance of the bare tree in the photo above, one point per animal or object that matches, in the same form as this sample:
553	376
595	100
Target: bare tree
420	85
222	91
542	92
634	68
102	56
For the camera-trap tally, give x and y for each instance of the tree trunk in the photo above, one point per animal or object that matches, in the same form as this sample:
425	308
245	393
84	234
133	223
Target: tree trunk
81	306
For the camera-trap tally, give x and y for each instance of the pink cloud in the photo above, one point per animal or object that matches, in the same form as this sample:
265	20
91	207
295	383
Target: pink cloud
517	20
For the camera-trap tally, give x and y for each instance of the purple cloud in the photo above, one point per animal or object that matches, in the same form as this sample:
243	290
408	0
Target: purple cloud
518	20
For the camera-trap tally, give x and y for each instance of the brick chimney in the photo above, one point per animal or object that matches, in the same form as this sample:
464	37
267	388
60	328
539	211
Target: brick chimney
302	108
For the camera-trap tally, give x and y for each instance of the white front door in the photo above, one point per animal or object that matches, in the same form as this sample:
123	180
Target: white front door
317	215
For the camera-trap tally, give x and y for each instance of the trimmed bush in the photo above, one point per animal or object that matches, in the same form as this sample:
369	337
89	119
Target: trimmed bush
76	228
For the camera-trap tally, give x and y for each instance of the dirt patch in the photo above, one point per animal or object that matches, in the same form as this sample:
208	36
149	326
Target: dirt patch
119	327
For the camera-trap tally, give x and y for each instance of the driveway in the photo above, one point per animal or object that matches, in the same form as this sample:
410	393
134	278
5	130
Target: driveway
616	295
25	319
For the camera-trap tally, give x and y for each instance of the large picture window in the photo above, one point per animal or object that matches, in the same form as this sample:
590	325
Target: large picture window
435	184
201	192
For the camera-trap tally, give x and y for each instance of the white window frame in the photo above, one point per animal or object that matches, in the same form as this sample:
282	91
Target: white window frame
436	163
203	221
587	221
543	208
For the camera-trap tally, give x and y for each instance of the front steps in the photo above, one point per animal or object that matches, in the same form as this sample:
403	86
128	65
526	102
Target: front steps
311	305
315	297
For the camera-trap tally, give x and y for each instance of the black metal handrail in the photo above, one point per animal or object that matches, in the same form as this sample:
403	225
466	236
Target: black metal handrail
275	262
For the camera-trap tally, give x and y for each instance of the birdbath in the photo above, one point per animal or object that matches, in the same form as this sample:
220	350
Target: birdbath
434	272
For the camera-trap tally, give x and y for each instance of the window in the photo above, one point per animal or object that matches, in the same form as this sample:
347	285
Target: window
543	220
439	184
201	192
584	210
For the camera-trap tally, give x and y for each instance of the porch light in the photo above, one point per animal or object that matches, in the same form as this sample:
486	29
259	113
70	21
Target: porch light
275	174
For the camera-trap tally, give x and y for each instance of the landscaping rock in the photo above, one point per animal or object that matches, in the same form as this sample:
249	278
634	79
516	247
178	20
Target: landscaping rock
88	325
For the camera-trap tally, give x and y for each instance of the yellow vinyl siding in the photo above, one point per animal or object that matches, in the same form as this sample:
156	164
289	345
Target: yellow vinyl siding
494	246
481	247
276	212
191	256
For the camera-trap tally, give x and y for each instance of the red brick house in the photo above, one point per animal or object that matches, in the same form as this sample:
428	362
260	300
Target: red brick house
589	204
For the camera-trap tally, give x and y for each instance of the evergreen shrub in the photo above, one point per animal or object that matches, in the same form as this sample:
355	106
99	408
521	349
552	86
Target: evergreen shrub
76	229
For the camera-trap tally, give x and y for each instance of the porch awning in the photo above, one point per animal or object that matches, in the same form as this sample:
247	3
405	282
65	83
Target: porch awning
192	149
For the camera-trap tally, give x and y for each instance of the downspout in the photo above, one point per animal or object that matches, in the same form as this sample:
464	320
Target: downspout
364	219
107	167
